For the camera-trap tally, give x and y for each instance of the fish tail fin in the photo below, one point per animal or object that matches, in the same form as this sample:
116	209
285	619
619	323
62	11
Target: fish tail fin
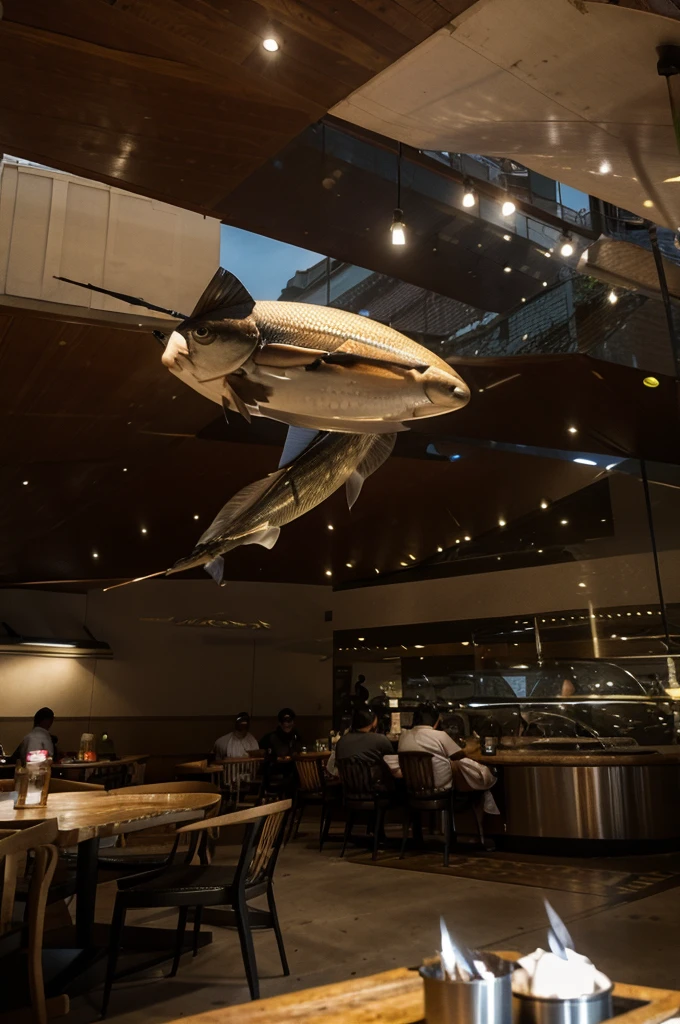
379	451
267	537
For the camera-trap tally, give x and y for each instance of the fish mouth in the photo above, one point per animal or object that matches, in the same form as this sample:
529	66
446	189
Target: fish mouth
176	351
453	396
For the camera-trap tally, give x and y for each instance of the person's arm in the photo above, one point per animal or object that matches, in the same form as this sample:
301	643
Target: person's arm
385	746
451	749
331	766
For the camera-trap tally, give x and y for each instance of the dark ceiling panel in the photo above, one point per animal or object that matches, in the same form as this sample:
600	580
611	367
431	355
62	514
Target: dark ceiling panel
179	100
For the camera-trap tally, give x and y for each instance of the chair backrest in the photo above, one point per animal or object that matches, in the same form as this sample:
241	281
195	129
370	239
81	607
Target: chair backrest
418	772
71	786
309	773
357	778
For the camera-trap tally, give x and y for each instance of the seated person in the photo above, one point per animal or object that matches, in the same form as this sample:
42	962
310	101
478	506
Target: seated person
285	740
239	743
428	736
38	738
362	743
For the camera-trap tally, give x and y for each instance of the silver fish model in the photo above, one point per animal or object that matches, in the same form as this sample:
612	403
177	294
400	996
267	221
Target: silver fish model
256	514
305	365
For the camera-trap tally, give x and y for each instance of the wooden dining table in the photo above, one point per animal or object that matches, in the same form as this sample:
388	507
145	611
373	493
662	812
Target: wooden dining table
83	819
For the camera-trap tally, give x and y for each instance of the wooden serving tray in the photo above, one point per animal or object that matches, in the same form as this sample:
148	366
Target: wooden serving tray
396	997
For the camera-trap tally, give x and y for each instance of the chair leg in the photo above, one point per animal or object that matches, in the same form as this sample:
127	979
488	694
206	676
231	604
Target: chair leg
198	914
116	933
406	822
348	832
326	820
179	941
301	806
291	822
446	829
378	824
277	930
247	949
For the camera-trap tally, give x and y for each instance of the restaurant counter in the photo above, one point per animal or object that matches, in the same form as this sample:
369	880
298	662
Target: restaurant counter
630	793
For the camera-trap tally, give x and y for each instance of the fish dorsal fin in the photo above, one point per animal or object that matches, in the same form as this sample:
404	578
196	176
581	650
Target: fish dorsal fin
224	292
245	497
378	452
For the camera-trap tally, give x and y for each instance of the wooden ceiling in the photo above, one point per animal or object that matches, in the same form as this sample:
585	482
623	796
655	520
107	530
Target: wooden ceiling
177	99
111	445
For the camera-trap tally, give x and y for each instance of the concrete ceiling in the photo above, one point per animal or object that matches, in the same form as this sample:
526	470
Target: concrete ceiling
559	86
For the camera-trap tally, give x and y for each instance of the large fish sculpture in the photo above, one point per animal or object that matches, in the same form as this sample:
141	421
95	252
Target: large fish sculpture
256	514
305	365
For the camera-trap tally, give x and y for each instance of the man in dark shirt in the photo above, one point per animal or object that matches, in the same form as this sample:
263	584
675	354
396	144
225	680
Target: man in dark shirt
363	742
279	746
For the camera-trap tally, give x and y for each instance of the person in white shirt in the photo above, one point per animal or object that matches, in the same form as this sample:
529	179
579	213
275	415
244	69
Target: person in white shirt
38	738
239	743
428	737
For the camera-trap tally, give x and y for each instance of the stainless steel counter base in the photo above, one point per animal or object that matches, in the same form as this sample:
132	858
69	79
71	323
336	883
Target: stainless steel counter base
570	802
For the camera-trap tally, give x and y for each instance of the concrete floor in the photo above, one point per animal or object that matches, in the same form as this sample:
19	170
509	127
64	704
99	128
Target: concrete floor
342	919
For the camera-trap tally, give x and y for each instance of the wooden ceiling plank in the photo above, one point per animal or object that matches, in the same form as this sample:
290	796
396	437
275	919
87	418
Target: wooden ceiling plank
433	14
362	23
397	15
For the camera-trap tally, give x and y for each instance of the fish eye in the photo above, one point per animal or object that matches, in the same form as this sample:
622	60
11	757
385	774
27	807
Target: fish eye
201	332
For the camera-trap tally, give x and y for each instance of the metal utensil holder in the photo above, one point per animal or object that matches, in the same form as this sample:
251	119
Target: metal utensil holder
590	1009
469	1002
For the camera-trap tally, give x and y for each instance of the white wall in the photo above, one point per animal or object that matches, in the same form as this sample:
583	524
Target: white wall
56	223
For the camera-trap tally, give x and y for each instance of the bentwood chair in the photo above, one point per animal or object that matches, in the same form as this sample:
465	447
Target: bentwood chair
314	789
21	943
208	885
422	794
366	788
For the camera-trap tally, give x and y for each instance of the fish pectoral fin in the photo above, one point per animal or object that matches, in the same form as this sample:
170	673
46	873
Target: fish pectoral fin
216	570
267	537
287	355
225	293
297	440
380	451
235	401
350	359
250	391
223	522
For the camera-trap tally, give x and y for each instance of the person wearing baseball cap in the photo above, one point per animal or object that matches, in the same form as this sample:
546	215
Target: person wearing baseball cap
285	740
239	743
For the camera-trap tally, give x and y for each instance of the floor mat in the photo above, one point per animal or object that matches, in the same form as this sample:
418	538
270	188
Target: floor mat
547	873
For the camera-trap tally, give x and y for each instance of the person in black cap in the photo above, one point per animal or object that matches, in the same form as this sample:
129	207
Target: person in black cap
285	740
239	743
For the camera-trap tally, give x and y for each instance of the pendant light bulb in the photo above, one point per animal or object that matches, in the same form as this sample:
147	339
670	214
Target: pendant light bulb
398	228
469	197
508	208
613	297
567	246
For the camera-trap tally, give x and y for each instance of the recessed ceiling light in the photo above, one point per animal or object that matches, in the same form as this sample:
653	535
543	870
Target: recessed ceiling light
412	557
501	522
524	337
523	299
330	526
95	554
376	570
403	563
564	522
648	203
507	270
270	45
545	284
544	504
605	167
25	483
348	564
360	638
467	538
581	584
328	572
573	430
195	517
419	647
144	529
506	238
125	469
440	549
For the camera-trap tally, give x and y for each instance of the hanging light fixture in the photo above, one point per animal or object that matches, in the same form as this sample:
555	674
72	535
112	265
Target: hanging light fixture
398	228
469	196
508	208
566	246
613	297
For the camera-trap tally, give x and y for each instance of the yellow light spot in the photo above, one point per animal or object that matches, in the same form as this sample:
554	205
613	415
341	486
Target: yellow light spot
650	382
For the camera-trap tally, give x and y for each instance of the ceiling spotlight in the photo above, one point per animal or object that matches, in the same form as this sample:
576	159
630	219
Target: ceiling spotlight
398	228
567	247
25	483
195	517
564	522
412	557
270	45
544	504
524	337
440	549
648	203
507	270
330	527
360	638
605	167
95	554
419	647
467	538
403	563
545	284
581	584
328	572
506	238
572	430
613	297
547	254
650	382
501	522
469	197
376	570
144	529
125	469
349	566
465	643
508	208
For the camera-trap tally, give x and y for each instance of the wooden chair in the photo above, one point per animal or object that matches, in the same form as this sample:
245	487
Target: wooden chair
241	775
185	886
422	794
368	788
14	846
313	789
